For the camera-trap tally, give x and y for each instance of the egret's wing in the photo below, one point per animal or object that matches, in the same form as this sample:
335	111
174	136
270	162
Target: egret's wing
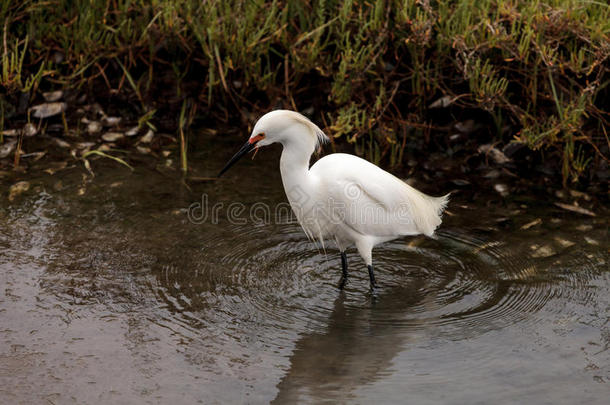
374	202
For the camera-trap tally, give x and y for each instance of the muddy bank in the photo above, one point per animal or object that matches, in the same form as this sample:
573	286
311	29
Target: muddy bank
74	134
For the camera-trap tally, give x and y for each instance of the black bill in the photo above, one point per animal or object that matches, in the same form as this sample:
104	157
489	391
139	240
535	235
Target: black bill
244	150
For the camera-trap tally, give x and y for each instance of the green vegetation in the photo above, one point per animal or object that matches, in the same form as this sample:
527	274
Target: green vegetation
537	70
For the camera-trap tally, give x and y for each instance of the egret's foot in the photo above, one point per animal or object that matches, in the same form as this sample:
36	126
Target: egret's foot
372	277
344	264
375	293
343	270
374	288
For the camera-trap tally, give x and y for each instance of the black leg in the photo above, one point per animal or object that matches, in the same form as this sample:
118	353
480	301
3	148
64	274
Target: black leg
372	277
344	271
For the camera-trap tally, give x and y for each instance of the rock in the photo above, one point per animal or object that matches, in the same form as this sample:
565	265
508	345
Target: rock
442	102
133	131
542	251
143	149
112	136
10	132
535	222
29	129
105	147
148	137
85	145
111	121
492	174
51	96
465	127
460	182
55	167
591	241
48	109
561	194
512	147
502	189
564	242
17	189
497	155
503	220
580	194
7	148
61	143
94	127
575	208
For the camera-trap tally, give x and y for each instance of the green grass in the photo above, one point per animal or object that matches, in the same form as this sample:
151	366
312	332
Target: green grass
540	67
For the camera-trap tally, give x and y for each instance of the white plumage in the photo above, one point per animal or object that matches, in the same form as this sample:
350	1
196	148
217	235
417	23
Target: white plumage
342	197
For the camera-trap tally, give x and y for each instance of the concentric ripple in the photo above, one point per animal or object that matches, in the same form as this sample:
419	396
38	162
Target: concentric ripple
273	278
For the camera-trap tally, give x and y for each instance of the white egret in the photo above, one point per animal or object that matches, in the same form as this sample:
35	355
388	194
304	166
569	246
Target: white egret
342	197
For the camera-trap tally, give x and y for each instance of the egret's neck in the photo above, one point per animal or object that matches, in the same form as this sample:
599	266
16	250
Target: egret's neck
300	184
294	166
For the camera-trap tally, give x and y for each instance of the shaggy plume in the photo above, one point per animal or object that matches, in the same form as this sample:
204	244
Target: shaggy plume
321	137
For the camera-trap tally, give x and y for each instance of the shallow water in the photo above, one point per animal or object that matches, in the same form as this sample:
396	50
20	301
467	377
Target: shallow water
116	288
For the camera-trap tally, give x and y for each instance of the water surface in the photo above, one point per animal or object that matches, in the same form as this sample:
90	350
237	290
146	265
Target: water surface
111	291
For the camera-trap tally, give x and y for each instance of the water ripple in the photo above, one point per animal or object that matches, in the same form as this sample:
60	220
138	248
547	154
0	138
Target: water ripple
276	278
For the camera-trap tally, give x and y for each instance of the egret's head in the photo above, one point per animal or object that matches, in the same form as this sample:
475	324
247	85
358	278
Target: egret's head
283	126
